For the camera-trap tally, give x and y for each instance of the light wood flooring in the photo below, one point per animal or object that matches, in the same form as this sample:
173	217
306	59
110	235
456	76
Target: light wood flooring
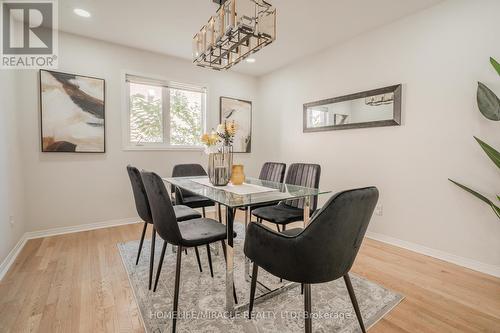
77	283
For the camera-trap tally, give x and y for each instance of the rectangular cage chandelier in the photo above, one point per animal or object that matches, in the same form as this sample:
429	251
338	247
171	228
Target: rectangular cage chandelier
239	28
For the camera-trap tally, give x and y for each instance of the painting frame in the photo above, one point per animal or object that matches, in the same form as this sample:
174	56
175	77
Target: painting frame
221	119
41	112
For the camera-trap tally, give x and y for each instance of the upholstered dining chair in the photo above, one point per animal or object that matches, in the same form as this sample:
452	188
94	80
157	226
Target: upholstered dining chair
286	212
183	197
270	171
194	232
322	252
182	213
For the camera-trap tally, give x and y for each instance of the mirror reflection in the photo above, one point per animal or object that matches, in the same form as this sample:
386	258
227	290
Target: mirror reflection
367	109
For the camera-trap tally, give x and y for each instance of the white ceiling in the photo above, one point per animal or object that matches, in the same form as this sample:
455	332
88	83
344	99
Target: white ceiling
304	27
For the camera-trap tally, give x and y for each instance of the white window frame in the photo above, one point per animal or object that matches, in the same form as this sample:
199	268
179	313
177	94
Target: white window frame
128	145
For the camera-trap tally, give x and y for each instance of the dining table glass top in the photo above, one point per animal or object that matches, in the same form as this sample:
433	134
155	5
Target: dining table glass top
254	191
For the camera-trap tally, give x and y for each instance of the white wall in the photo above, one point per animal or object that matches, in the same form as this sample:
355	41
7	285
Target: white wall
438	55
74	189
11	188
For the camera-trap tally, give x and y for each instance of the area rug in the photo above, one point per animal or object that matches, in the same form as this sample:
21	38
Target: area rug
202	298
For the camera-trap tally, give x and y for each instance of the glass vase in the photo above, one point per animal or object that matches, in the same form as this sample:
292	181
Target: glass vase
220	165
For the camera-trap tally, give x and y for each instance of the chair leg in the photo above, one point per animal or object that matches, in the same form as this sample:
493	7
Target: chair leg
278	227
141	242
302	289
210	260
152	257
307	308
253	284
354	301
203	212
220	213
160	264
283	228
198	258
225	259
176	291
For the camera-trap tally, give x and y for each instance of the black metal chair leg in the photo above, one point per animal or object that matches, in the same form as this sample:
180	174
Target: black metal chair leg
210	260
198	258
307	308
152	257
141	242
278	227
354	302
302	289
160	264
176	291
253	284
225	259
203	211
220	214
283	228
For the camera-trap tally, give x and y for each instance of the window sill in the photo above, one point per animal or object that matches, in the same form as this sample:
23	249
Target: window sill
162	148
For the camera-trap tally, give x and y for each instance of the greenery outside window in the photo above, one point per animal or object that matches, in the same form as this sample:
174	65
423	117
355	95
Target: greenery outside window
164	115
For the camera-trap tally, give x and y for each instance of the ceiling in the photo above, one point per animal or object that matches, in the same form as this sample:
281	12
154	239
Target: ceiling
304	27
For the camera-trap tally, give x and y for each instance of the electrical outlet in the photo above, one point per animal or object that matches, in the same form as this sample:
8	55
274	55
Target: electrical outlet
379	210
11	220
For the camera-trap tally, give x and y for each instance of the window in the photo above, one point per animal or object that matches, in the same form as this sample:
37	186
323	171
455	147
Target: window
164	114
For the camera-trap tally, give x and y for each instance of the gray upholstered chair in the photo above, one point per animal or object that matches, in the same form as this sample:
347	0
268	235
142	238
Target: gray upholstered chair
183	197
182	213
324	251
273	172
191	233
286	212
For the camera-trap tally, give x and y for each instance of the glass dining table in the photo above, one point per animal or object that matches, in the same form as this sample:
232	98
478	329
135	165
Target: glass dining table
253	192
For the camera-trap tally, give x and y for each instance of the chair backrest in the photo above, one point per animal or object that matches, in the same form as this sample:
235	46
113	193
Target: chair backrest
140	197
306	175
186	170
331	241
273	171
162	210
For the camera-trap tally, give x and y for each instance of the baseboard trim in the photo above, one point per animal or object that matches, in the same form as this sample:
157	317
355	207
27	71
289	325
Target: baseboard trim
448	257
9	260
79	228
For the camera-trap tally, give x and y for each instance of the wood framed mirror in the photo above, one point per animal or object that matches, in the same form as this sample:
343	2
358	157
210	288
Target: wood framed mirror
372	108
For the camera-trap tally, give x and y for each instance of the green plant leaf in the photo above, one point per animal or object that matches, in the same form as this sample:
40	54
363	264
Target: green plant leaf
490	151
495	65
479	196
488	102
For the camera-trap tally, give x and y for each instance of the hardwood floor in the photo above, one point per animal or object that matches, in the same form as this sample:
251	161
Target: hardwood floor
77	283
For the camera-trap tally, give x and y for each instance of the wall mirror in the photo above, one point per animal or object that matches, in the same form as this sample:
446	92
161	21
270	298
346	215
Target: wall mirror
373	108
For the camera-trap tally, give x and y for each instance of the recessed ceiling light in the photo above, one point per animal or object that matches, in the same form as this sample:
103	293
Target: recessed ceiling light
81	12
250	60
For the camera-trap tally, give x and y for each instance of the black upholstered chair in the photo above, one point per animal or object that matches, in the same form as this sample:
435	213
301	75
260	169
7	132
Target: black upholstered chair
191	233
183	197
182	213
286	212
271	171
324	251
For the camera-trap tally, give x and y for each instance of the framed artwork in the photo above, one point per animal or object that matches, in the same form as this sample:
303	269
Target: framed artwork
340	119
239	111
72	111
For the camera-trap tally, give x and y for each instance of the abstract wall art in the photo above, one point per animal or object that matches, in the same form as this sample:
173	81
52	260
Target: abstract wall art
239	111
72	113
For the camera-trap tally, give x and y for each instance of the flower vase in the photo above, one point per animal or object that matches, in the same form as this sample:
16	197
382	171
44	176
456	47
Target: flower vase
220	165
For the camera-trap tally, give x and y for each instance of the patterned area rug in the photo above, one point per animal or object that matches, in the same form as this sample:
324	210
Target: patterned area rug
202	298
